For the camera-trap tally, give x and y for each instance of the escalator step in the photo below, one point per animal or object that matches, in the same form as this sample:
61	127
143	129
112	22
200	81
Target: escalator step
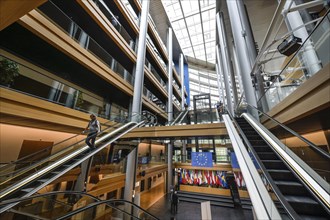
300	199
43	180
267	156
274	164
27	189
262	148
292	183
305	205
281	174
291	188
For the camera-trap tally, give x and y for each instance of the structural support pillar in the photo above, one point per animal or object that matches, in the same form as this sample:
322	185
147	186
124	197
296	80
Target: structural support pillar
294	21
170	107
139	68
169	166
219	81
130	175
239	35
170	75
221	65
181	64
226	54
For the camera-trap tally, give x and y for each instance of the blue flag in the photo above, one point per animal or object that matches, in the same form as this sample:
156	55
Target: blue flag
201	159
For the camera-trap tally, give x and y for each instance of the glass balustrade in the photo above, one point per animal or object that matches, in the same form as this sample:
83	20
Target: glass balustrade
116	23
308	60
45	86
60	19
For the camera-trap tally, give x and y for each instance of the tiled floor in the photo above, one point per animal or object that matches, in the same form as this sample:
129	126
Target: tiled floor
192	211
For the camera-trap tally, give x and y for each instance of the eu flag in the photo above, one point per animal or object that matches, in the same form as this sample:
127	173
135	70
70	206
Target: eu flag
201	159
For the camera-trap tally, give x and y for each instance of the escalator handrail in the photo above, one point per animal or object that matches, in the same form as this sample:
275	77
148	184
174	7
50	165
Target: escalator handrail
177	118
49	158
92	205
42	172
287	207
263	204
320	188
107	202
184	115
54	165
42	150
18	200
314	147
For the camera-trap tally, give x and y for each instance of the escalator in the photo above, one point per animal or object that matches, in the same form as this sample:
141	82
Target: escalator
60	205
293	181
179	119
26	181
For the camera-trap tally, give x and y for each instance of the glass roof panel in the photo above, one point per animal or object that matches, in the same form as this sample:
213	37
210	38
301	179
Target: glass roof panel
193	22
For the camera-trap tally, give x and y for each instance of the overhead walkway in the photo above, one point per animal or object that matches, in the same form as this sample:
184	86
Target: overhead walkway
299	191
26	177
65	205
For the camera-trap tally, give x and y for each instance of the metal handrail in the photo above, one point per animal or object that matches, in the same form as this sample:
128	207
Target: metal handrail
314	147
98	201
58	163
289	210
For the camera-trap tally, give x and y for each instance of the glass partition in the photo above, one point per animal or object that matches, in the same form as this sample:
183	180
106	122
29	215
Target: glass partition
316	156
74	205
116	23
312	56
80	36
48	87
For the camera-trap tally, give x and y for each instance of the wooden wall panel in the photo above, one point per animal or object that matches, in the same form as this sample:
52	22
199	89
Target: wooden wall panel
310	97
45	29
11	11
198	130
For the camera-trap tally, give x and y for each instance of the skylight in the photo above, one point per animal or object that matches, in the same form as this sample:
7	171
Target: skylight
193	23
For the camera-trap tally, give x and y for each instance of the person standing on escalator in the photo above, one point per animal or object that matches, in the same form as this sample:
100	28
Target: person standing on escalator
92	128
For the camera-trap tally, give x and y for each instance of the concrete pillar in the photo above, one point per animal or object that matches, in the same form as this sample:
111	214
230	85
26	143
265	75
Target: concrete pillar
139	70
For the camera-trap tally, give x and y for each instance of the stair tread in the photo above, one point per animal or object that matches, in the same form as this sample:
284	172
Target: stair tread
282	182
279	171
313	217
27	189
272	161
300	199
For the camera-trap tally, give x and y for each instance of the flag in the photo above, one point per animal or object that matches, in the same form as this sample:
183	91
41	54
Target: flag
201	159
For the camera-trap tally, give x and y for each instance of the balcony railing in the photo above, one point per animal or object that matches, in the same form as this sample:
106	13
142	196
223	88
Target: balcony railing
116	23
60	19
312	56
52	90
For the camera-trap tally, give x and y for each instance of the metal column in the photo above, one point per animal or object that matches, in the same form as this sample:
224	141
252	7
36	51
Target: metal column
294	20
219	81
181	64
243	55
170	105
226	56
139	69
170	74
226	79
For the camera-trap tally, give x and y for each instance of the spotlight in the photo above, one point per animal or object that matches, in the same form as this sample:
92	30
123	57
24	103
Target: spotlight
289	45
